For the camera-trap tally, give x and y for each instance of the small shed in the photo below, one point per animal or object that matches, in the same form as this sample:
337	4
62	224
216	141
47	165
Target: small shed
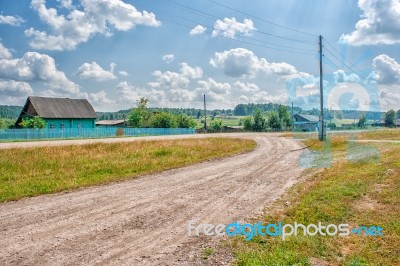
60	112
306	122
110	123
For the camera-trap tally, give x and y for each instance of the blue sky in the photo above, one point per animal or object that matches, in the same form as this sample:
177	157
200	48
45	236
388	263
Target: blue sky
113	52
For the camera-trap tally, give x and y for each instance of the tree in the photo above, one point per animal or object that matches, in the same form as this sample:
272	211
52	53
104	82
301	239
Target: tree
163	120
398	114
184	121
274	122
248	123
198	115
6	123
259	120
216	125
284	115
33	122
390	118
362	120
240	110
138	117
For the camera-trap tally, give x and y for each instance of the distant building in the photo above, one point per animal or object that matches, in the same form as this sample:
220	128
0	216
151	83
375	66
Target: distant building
110	123
60	112
306	122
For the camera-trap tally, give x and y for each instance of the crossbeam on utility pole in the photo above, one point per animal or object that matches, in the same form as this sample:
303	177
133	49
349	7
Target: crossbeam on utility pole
322	133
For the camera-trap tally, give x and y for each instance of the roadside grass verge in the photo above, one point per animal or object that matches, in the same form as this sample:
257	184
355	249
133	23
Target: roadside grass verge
384	134
363	192
34	171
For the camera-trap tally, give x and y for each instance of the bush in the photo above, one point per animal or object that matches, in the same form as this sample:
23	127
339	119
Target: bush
184	121
216	125
163	120
248	123
34	122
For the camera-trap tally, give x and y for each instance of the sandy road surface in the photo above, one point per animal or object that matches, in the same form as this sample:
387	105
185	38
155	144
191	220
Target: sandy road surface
144	221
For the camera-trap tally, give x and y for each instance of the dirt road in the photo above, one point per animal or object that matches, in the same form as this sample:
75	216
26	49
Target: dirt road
144	221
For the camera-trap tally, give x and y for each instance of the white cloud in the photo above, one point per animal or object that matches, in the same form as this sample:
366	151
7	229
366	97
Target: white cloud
129	94
240	62
96	17
96	72
4	52
215	91
66	4
11	20
191	72
168	58
176	84
100	98
341	76
246	87
197	30
14	88
34	66
379	23
123	73
387	70
229	27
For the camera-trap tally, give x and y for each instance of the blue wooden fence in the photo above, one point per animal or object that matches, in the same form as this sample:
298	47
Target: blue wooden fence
81	133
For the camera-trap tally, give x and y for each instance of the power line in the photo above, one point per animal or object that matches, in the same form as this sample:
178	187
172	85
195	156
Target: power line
239	40
256	30
349	68
267	21
344	59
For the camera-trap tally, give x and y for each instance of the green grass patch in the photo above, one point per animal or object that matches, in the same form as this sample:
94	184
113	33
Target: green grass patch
356	192
34	171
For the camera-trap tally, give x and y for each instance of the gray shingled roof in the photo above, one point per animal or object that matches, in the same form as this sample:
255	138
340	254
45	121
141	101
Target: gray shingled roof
311	118
62	107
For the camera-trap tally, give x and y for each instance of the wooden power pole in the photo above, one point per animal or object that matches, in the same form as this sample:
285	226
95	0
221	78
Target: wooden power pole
322	133
205	113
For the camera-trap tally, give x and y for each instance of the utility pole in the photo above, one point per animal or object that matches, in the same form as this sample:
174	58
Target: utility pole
205	113
322	133
292	118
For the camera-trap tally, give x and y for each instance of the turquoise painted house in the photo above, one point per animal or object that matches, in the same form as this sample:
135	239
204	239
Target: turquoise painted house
60	112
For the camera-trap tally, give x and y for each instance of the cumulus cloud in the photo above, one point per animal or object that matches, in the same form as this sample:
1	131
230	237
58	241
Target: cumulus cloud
216	91
96	72
240	62
11	20
387	70
34	66
229	27
99	98
197	30
246	87
4	52
14	88
129	94
341	76
379	24
168	58
176	84
96	17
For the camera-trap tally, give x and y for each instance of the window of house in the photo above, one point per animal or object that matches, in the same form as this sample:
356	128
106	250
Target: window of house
51	126
62	126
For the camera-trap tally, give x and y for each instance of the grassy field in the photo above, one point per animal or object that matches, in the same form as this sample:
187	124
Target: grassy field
35	171
365	191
